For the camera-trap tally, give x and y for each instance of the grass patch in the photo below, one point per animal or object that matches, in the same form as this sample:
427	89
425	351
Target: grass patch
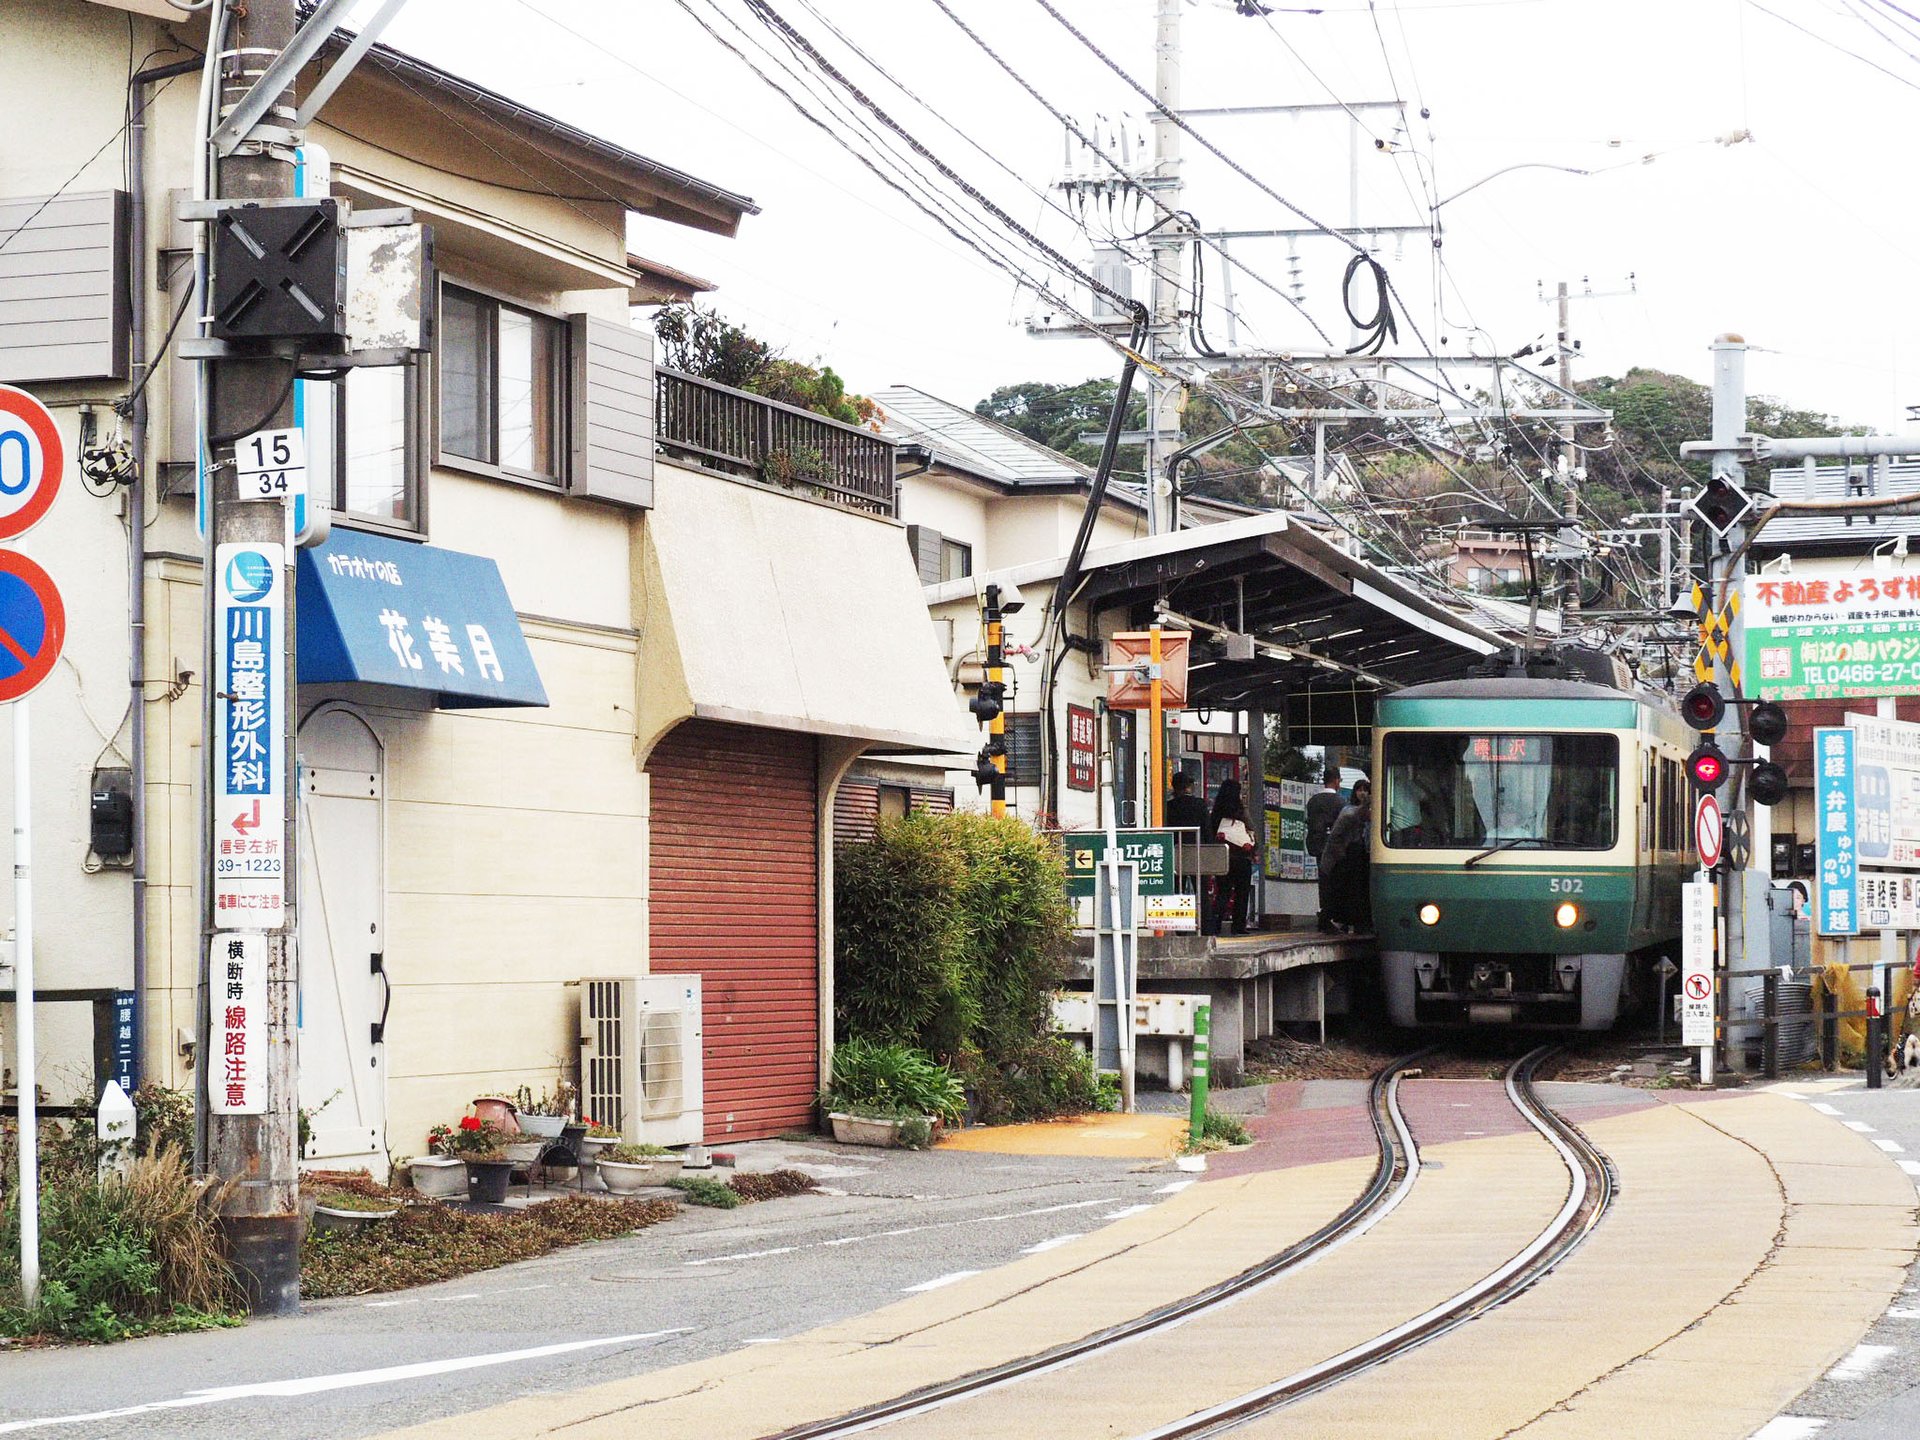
1218	1131
428	1242
701	1190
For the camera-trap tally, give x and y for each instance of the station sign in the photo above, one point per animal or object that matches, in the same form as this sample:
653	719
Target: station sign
249	878
1834	628
1153	851
1698	934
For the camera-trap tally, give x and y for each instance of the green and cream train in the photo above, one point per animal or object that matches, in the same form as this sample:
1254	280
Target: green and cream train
1529	845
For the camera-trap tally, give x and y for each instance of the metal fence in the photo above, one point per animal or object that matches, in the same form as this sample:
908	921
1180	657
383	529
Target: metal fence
755	438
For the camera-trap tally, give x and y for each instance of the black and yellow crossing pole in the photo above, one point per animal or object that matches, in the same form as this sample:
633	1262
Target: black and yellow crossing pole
988	705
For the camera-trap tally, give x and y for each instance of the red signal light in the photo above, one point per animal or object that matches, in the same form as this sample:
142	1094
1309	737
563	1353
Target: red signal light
1702	707
1707	766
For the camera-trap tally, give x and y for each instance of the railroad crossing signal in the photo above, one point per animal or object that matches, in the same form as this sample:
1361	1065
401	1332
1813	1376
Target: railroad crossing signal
1707	766
1721	505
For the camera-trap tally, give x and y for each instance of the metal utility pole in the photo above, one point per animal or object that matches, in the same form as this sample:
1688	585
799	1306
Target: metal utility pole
1169	259
996	679
252	1143
1569	457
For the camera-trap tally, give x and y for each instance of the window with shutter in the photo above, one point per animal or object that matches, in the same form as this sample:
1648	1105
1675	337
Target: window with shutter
613	414
1024	740
927	545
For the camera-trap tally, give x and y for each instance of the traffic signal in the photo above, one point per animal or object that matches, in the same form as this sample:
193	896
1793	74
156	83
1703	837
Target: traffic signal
988	700
1768	726
1707	766
1721	506
985	772
1769	785
1703	706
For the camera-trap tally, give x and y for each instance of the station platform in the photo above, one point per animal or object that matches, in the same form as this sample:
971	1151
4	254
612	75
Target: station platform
1253	983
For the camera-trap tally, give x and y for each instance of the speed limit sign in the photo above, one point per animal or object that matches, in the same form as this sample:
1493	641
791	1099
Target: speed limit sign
271	465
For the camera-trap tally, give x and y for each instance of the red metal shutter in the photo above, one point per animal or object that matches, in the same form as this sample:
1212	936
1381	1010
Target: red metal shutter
735	899
856	805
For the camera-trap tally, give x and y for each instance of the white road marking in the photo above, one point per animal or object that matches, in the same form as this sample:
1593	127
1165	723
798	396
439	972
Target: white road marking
938	1281
746	1255
1892	1147
983	1220
1825	1109
1898	1314
1054	1244
1859	1125
764	1340
1789	1427
1174	1189
1790	1094
1125	1211
1912	1167
346	1380
1859	1361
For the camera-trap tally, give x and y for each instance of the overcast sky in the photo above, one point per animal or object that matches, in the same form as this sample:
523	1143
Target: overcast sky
1804	240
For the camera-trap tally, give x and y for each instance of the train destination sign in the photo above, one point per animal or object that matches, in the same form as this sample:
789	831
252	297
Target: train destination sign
1834	628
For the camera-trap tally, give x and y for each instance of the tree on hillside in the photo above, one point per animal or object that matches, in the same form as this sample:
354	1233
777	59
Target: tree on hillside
708	345
1057	415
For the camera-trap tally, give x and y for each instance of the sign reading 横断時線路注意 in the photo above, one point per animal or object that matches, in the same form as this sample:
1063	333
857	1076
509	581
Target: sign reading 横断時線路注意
237	1008
1834	628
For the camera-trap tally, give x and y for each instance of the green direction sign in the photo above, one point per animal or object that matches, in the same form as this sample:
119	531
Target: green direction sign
1834	629
1151	850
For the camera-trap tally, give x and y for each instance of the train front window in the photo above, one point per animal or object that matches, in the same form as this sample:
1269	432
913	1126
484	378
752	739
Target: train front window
1453	791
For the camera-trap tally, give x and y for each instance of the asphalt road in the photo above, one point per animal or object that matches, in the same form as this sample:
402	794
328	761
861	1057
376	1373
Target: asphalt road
700	1285
1874	1392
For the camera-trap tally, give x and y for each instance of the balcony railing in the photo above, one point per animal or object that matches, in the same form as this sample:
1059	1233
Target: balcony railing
738	433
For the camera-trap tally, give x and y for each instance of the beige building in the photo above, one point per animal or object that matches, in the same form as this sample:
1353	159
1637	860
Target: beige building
639	779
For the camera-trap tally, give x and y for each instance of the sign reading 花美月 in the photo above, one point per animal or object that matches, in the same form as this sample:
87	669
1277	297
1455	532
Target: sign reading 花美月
1834	628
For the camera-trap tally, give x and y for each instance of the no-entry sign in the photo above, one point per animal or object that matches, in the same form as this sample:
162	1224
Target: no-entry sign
33	624
33	460
1707	831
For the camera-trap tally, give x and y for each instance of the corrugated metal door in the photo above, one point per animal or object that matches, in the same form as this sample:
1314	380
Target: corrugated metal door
735	901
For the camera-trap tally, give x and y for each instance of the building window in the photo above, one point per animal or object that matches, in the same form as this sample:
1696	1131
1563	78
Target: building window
363	432
1023	750
956	560
502	386
895	802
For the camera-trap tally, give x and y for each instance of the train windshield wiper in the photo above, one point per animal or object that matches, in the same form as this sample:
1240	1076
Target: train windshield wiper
1514	843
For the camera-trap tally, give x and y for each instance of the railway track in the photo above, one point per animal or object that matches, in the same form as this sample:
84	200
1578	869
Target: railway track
1396	1172
1589	1193
1393	1178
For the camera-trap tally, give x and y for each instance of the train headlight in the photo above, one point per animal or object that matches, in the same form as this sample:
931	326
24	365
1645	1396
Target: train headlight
1566	915
1429	914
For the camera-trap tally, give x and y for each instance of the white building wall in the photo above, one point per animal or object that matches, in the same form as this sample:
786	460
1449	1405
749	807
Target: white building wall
956	510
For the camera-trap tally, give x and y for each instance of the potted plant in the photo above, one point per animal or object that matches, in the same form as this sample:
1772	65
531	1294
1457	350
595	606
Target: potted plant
598	1138
627	1168
889	1094
447	1172
547	1115
349	1210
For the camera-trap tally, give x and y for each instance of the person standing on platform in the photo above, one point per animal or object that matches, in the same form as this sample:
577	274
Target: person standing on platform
1187	811
1323	808
1347	860
1230	827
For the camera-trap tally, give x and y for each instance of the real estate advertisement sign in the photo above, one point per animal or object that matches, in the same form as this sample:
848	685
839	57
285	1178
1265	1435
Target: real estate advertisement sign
1834	629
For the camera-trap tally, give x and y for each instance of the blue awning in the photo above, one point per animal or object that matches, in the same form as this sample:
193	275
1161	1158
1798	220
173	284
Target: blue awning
374	610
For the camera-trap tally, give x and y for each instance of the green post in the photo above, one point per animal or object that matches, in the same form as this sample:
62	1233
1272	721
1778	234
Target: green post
1202	1069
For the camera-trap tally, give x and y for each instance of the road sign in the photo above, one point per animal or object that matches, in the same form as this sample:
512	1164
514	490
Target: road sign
249	807
33	624
271	465
1738	845
1707	831
1697	936
33	460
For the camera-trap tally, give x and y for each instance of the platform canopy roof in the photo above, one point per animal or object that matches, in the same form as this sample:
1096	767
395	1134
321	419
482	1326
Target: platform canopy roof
1330	631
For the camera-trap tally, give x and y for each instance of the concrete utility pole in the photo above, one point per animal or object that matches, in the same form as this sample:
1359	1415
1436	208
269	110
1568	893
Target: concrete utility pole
1169	258
257	1152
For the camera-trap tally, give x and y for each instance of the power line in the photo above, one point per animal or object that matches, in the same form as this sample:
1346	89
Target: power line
1833	44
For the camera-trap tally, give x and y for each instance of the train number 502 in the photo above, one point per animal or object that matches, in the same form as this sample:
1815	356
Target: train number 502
1570	886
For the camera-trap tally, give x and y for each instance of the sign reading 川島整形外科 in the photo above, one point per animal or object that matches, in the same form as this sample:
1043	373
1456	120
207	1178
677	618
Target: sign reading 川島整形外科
1834	629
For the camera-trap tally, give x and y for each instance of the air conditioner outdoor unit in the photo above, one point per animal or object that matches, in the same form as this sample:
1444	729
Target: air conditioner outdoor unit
640	1057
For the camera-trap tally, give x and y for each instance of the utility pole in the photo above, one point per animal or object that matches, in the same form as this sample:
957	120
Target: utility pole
997	686
1169	260
1569	458
251	1144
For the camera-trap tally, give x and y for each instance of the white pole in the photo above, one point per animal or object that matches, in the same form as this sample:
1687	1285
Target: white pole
23	1004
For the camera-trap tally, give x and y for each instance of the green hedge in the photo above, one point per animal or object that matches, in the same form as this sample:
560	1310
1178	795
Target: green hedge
951	935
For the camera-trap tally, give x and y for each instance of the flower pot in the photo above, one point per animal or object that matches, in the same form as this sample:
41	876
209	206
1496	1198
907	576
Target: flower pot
623	1178
487	1180
439	1176
590	1148
325	1217
524	1152
865	1130
547	1127
494	1111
